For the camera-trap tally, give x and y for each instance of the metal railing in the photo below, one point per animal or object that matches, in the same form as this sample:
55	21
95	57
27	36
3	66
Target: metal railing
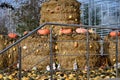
51	52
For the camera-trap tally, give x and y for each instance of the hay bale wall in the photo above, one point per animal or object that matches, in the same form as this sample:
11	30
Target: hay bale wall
9	57
2	56
60	11
75	45
12	55
37	48
110	48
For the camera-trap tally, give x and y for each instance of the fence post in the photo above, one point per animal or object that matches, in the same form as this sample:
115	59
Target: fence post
117	53
87	54
101	48
19	62
51	55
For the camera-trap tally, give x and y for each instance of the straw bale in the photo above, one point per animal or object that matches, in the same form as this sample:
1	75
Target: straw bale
12	53
36	47
61	11
2	56
110	48
10	56
35	60
60	17
76	45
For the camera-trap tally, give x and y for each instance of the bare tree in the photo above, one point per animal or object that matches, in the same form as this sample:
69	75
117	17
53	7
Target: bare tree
28	15
3	29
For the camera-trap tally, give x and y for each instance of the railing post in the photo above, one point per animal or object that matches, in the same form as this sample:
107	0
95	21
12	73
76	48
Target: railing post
19	62
117	53
51	55
87	54
101	48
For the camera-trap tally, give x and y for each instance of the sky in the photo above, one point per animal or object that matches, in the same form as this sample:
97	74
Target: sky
11	1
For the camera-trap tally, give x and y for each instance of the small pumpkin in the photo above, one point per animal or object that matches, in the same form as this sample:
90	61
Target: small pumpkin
43	31
12	35
91	31
25	32
114	34
65	31
119	33
81	30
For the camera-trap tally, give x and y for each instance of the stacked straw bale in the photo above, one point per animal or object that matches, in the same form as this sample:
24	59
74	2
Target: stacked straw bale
75	45
2	56
60	11
110	48
10	56
12	53
35	48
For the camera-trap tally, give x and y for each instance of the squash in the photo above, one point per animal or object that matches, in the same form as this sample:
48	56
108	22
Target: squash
12	35
65	31
43	31
91	31
114	34
25	32
81	30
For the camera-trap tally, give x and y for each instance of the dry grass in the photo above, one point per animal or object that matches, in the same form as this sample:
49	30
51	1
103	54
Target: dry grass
61	11
71	46
110	48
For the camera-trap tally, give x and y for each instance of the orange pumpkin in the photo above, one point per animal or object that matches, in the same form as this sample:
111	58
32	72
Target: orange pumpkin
25	32
119	34
114	34
66	31
12	35
43	31
91	31
81	30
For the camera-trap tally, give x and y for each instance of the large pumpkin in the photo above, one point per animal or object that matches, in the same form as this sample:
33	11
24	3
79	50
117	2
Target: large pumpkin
65	31
81	30
114	34
43	31
12	35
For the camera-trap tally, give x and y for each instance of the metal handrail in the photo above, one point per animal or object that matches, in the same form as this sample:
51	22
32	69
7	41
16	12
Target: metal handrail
24	37
60	24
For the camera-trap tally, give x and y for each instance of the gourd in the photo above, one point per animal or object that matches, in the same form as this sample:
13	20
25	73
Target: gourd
43	31
81	30
12	35
65	31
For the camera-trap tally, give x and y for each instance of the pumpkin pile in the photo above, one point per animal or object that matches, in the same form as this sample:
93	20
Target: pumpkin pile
110	47
60	11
